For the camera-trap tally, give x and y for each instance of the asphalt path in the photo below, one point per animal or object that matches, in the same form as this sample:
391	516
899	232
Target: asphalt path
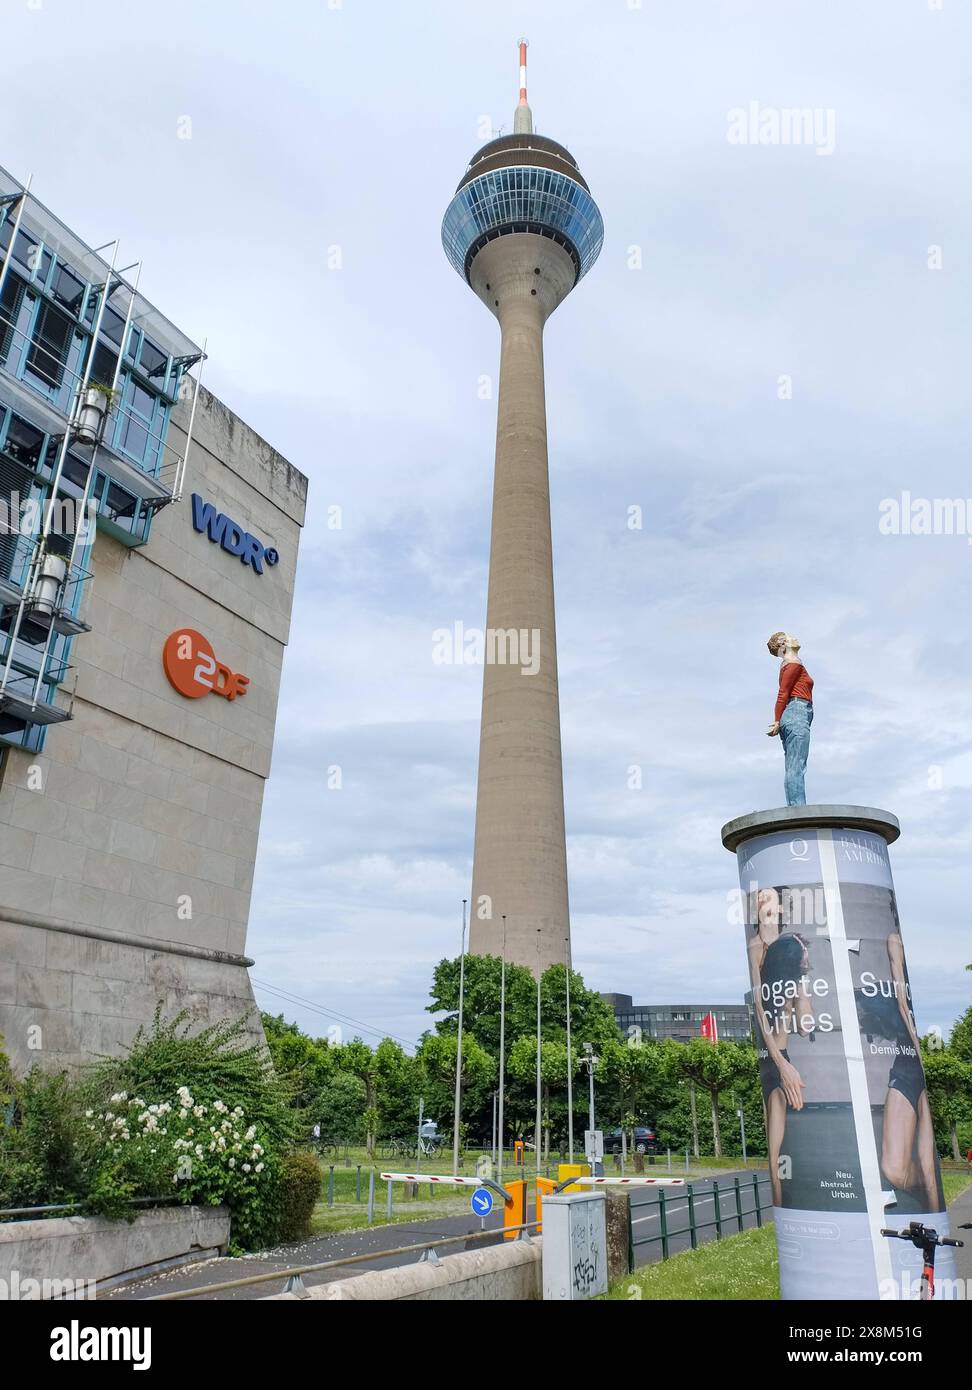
313	1251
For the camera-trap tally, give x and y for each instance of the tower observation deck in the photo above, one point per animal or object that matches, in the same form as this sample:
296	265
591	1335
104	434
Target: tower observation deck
522	229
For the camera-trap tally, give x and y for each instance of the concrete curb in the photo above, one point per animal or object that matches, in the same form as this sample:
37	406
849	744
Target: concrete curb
499	1272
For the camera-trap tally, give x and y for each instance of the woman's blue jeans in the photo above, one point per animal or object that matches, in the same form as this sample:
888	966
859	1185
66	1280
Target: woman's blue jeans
795	733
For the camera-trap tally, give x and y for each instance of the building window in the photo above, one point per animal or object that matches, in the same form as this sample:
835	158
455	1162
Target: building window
68	290
10	303
112	326
135	432
51	342
24	443
153	361
103	366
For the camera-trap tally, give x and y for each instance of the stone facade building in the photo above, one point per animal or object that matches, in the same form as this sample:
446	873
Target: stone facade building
142	672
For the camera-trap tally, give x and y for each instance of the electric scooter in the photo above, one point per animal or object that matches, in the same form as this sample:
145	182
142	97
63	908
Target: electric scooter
927	1239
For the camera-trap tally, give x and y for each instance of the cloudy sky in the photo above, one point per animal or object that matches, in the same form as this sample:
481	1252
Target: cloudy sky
774	340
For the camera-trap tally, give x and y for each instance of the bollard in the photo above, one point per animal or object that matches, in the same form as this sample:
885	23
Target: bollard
330	1186
371	1197
693	1233
389	1205
357	1185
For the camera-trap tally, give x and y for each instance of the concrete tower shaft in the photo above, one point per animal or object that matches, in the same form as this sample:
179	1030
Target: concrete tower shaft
520	859
522	229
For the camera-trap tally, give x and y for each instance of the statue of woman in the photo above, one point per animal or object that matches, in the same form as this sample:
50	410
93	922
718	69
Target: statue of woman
793	715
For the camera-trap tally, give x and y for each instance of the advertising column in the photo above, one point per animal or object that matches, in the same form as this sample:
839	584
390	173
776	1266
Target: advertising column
849	1129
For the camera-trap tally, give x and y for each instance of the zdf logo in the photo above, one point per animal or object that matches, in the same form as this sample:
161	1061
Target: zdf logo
191	666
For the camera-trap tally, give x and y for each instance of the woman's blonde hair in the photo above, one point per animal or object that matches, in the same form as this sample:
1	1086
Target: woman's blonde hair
774	643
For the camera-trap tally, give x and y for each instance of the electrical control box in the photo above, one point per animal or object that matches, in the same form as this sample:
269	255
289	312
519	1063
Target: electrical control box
574	1245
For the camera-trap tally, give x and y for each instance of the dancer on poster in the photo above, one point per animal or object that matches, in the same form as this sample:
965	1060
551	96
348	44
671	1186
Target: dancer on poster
778	964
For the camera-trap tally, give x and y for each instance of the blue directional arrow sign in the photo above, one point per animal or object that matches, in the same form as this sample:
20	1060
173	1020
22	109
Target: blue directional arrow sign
481	1201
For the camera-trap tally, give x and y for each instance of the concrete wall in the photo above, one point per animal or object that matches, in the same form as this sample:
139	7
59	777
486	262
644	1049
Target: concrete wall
91	1247
511	1271
139	821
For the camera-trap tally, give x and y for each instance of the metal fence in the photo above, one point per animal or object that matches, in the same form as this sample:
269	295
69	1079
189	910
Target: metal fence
660	1216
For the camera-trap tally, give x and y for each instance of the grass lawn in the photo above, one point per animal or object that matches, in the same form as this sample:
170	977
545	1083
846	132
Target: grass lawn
739	1267
955	1183
353	1216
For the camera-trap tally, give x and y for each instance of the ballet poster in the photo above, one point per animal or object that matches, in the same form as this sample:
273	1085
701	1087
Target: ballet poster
849	1128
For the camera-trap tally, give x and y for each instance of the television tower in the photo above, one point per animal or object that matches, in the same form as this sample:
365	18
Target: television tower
522	229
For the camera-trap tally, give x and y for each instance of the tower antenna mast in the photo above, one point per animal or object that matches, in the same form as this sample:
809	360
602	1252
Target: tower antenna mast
523	116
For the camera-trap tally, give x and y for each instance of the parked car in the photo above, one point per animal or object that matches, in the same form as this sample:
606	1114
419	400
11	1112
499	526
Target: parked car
645	1140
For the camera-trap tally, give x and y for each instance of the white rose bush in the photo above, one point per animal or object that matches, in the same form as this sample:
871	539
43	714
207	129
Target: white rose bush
193	1118
179	1149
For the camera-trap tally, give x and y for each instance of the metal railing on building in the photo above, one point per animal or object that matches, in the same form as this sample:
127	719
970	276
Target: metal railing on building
73	413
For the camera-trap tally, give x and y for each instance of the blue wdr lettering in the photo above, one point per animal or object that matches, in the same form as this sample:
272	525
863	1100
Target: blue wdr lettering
223	531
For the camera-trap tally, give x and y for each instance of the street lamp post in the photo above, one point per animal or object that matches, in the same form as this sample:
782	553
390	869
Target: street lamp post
570	1067
536	1133
462	986
590	1061
502	1056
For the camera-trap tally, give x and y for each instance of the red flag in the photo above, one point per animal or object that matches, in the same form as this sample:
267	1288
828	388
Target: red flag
709	1028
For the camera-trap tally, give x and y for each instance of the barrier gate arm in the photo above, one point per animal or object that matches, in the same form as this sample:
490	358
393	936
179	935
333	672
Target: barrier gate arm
621	1182
454	1178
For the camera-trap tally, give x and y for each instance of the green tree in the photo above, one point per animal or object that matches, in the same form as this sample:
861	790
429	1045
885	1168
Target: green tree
340	1108
949	1082
397	1089
521	1066
633	1082
714	1068
960	1041
436	1063
357	1058
304	1064
592	1020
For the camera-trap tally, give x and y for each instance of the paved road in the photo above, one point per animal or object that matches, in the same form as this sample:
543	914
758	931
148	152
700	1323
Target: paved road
959	1212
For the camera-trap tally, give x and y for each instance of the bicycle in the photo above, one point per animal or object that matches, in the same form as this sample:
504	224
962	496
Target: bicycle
927	1240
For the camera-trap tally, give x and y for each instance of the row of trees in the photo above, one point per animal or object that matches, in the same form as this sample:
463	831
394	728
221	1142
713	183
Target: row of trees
362	1094
691	1093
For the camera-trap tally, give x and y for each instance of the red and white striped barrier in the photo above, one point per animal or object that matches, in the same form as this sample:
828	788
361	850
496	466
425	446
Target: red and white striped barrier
431	1177
634	1182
